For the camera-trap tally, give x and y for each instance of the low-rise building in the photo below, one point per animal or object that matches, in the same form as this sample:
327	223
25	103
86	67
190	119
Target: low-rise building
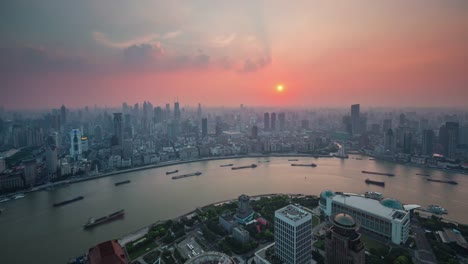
240	234
227	221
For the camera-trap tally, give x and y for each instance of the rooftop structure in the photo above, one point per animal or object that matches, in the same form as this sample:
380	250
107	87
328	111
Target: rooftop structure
343	242
211	258
109	252
244	212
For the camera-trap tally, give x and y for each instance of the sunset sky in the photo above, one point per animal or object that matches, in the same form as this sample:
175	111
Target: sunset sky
324	53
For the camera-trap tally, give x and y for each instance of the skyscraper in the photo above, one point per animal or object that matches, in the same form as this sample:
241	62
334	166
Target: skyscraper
389	140
254	134
158	115
273	122
407	142
63	115
51	156
427	142
118	128
387	124
293	236
75	148
204	127
29	172
343	243
282	121
355	118
266	121
452	139
176	110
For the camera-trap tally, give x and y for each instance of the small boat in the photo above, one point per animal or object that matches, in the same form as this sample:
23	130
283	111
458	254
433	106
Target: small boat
94	222
78	198
358	158
378	173
263	161
245	167
437	209
172	172
293	160
227	165
371	159
379	183
313	165
122	182
443	181
186	175
374	195
423	174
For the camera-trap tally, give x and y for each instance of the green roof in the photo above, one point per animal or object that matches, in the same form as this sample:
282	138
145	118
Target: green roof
392	203
327	193
344	220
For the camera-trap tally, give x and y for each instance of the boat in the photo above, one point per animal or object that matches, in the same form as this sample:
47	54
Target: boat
245	167
78	198
186	175
92	222
172	172
437	209
18	196
263	161
57	185
423	174
227	165
293	160
5	200
358	158
374	195
378	173
379	183
371	159
122	182
443	181
313	165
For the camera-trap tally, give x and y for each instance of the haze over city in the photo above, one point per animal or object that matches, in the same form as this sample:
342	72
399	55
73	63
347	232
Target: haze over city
325	53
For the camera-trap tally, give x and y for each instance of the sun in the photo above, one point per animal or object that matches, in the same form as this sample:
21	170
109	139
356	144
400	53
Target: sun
279	88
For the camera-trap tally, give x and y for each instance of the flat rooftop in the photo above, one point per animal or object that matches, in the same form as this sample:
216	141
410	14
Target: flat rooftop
369	205
292	212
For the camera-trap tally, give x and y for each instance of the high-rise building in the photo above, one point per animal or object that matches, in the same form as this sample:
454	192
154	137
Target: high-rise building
158	115
51	156
29	172
305	124
355	118
204	127
452	139
293	235
266	121
347	125
402	120
427	142
387	124
199	111
343	243
244	211
254	134
75	147
63	115
118	128
176	110
389	141
273	122
282	121
407	142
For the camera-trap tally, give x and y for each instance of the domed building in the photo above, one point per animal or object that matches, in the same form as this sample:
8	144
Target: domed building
386	218
211	257
343	243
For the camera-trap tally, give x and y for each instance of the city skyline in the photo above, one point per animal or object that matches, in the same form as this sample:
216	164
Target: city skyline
324	54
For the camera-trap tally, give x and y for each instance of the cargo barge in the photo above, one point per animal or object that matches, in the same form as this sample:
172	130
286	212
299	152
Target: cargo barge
94	222
442	181
78	198
227	165
313	165
378	173
172	172
186	175
378	183
244	167
122	182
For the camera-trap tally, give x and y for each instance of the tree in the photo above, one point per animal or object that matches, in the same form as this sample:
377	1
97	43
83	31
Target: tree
401	260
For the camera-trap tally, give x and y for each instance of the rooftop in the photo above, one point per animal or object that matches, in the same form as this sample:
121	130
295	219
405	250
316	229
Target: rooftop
292	212
368	205
344	220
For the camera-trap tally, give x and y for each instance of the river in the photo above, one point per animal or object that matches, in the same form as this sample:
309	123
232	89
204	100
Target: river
32	231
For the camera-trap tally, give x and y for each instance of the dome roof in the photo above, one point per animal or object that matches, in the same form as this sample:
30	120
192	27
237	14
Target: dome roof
392	203
327	193
344	220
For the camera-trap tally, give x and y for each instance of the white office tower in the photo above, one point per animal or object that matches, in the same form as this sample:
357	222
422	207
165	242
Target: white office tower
75	144
293	235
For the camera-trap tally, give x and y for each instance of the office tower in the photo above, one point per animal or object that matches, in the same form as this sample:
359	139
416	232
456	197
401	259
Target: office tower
176	110
347	126
463	135
387	124
305	124
254	134
427	142
158	115
407	142
118	128
51	156
128	130
389	140
282	121
452	139
199	111
244	211
204	127
167	112
355	118
273	122
127	148
75	148
63	115
266	121
97	133
402	120
363	124
124	108
29	172
293	236
343	243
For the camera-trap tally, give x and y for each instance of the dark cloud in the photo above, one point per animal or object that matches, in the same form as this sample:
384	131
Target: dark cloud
254	65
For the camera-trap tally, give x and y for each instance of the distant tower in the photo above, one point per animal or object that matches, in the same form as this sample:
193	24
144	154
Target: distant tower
273	122
204	127
51	156
118	128
428	142
407	142
176	110
199	111
266	121
168	112
282	121
387	124
29	172
293	235
355	118
452	139
389	140
343	243
63	115
254	132
158	115
75	148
